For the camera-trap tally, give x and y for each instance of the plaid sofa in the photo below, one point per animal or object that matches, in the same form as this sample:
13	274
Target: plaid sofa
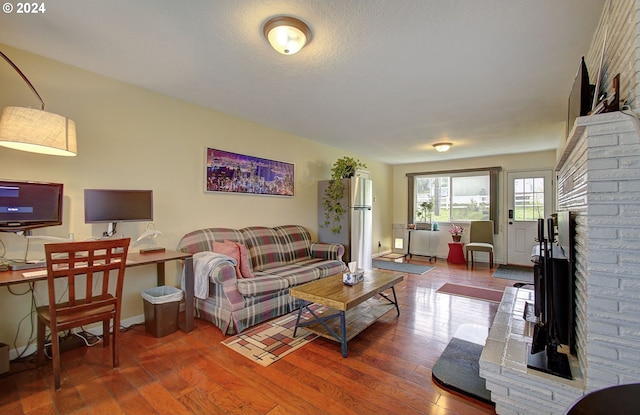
280	257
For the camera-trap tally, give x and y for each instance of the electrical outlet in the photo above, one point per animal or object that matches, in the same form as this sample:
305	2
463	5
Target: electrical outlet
379	244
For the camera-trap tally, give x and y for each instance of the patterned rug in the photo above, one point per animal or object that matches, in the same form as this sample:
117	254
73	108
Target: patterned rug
271	341
471	292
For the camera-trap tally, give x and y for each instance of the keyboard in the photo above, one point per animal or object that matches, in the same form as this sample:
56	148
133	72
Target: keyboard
35	274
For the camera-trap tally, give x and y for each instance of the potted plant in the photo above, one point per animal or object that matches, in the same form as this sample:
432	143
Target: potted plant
343	168
456	232
424	214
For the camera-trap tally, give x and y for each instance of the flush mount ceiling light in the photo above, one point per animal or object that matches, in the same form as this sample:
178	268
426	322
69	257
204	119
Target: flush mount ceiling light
442	147
36	131
287	34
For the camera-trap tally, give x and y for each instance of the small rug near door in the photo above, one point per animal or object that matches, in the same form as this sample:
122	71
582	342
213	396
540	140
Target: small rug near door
514	272
458	368
271	341
471	292
393	256
402	267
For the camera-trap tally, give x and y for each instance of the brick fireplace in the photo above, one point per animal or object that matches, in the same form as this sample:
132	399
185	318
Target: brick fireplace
598	179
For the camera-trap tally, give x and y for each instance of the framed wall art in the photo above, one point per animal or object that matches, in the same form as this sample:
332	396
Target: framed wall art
238	173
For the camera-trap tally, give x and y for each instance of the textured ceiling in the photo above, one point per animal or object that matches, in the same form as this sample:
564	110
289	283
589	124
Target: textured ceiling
382	79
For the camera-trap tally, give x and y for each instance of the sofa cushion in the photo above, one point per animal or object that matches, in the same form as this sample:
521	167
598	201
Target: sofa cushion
245	261
261	284
264	246
325	267
296	242
230	249
295	274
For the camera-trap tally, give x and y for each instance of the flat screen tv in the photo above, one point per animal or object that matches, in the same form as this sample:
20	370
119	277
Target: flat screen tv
580	97
28	205
109	205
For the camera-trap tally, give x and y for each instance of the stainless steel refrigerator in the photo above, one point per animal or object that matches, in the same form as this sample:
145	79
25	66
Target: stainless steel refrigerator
356	223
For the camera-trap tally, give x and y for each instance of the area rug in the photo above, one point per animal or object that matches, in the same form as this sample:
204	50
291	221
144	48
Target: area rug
458	368
271	341
471	292
402	267
514	272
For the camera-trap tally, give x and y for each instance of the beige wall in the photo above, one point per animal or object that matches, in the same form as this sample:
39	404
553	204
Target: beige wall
129	137
511	163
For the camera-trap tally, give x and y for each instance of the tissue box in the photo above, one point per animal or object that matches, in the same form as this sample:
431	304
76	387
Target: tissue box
350	278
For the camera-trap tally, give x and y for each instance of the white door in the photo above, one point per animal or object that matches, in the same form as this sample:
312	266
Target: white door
529	197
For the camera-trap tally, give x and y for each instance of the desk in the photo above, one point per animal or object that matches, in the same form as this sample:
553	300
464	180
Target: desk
135	260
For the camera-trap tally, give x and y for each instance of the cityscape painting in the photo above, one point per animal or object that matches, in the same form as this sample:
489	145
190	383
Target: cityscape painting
239	173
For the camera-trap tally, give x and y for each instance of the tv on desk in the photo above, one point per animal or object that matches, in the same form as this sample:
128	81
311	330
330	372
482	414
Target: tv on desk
28	205
117	205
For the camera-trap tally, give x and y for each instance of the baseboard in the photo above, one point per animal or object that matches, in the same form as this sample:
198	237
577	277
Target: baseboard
379	254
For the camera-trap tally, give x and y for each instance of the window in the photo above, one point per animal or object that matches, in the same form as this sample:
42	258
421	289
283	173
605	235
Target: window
462	195
528	203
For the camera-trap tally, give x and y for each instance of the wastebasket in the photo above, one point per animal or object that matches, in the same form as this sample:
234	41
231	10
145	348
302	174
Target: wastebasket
161	309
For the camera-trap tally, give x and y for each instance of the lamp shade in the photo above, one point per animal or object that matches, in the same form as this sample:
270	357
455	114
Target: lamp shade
286	34
37	131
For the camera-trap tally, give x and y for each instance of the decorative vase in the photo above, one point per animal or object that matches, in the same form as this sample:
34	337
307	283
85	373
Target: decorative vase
456	238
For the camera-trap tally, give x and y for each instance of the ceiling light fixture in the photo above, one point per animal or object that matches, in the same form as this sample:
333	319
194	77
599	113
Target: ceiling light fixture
442	147
36	131
287	34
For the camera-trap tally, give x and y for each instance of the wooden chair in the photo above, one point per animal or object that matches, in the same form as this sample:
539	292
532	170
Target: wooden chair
88	267
480	239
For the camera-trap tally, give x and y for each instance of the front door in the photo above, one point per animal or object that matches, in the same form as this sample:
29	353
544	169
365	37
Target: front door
529	197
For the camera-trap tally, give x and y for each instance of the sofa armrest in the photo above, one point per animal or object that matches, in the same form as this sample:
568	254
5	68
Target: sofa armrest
327	251
226	282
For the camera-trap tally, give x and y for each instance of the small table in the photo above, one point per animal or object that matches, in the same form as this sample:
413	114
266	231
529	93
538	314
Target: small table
456	254
430	255
357	299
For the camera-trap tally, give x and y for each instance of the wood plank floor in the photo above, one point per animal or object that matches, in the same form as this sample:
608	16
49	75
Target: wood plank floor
388	370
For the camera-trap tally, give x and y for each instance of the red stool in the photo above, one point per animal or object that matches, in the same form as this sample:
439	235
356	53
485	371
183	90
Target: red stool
456	254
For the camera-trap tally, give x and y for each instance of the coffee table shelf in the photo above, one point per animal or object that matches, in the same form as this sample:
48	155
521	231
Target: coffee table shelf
357	319
353	308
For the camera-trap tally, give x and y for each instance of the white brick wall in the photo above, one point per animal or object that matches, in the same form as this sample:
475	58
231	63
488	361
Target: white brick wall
599	179
619	19
608	249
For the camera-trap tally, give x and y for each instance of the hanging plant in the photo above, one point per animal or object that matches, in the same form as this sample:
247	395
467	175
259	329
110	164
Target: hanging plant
343	168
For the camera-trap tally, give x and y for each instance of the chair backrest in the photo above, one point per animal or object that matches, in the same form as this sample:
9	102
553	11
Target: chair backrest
481	231
97	263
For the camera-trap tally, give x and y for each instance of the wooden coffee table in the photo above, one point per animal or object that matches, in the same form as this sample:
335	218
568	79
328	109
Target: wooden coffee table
356	306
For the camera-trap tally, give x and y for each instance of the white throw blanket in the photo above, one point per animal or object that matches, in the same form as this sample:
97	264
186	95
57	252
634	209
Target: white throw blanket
203	264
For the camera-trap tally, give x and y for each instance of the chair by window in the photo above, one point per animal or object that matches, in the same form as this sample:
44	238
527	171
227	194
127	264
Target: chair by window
94	273
480	240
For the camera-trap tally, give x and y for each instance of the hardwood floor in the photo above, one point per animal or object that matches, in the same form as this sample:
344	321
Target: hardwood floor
388	370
